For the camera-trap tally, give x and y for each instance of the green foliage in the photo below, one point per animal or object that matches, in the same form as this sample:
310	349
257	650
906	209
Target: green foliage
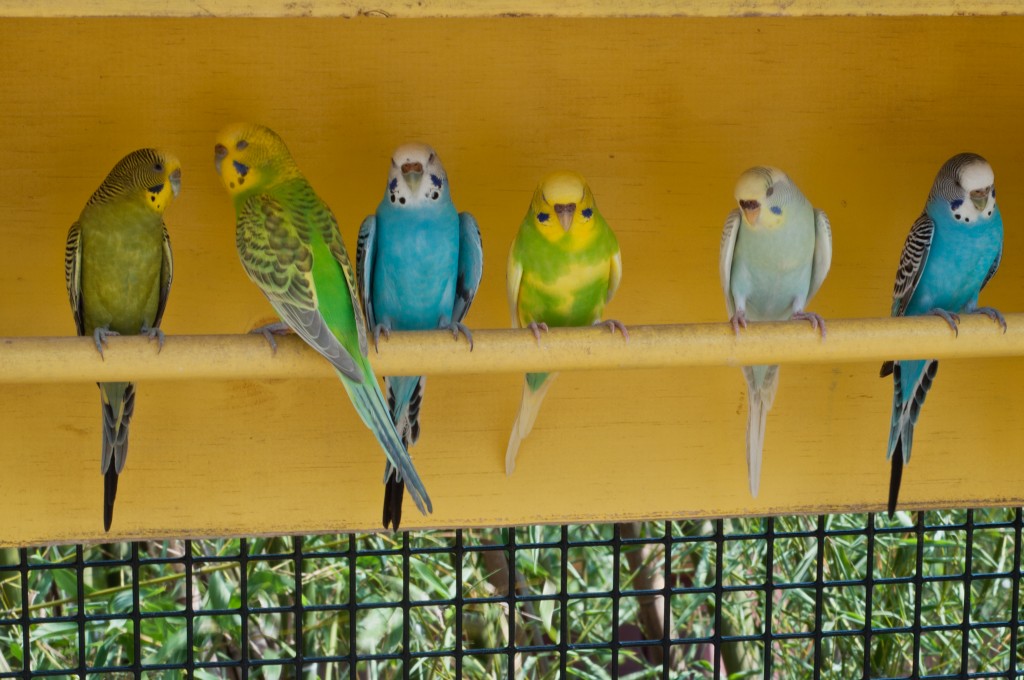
270	575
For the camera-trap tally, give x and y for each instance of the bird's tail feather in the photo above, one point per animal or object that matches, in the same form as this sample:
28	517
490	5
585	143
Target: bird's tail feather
911	381
372	409
762	383
405	394
117	404
534	388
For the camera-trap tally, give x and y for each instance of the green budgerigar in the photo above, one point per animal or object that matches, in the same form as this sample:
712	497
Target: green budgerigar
563	267
290	246
118	267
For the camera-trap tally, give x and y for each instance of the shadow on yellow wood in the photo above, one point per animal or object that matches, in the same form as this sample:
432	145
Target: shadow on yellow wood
660	115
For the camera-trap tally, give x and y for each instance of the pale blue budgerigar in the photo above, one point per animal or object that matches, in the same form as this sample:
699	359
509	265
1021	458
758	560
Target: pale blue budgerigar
419	264
952	251
776	250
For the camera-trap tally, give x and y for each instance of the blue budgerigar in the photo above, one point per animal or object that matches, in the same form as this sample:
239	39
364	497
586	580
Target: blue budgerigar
952	251
419	264
776	250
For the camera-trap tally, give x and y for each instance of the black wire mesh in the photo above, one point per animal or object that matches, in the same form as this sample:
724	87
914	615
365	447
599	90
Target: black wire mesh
847	596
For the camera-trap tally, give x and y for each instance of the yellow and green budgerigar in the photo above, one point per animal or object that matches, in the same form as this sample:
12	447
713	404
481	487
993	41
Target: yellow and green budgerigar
563	267
118	268
290	246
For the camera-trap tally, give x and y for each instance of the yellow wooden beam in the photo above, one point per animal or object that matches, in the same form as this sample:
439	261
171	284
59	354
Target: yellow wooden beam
505	8
248	357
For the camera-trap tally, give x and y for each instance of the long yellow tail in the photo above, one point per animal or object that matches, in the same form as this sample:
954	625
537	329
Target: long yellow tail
534	388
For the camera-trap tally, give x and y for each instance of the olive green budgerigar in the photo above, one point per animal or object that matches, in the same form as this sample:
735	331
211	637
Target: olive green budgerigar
776	250
118	268
290	246
563	267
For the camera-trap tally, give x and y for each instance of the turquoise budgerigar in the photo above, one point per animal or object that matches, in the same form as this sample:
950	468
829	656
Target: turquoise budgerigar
776	250
118	270
419	264
563	267
952	251
290	246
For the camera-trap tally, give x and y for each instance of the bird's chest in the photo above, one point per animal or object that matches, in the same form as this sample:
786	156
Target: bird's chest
121	263
771	271
415	268
568	290
959	260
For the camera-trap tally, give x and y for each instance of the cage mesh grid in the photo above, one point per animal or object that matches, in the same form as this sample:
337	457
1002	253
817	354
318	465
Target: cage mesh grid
87	611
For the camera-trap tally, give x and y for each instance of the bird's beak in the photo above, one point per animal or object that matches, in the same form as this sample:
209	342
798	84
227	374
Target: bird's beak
979	197
413	175
751	209
220	152
565	212
176	181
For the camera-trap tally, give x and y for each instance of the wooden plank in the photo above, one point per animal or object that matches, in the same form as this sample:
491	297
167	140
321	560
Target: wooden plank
660	114
405	9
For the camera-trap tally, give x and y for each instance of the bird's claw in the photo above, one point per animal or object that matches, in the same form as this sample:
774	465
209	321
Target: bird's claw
817	322
268	331
152	333
951	318
992	313
99	336
377	331
613	326
537	328
738	319
456	327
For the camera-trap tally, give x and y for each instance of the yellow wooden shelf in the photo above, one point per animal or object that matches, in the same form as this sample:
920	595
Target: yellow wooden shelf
406	9
249	357
660	112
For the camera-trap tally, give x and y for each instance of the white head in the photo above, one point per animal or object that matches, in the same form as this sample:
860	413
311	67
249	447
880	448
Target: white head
966	185
416	177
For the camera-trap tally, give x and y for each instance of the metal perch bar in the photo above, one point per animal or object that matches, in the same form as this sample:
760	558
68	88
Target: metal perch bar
226	357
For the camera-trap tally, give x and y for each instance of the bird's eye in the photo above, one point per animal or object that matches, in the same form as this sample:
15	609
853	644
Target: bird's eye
242	145
993	192
158	167
543	217
776	209
587	212
770	191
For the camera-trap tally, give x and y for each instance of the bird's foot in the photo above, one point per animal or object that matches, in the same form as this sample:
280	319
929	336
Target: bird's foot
816	321
268	331
537	328
738	319
378	330
457	327
992	313
99	336
949	317
613	326
154	333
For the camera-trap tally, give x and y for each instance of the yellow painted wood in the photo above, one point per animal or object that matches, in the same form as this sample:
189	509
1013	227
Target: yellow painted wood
233	357
404	9
661	115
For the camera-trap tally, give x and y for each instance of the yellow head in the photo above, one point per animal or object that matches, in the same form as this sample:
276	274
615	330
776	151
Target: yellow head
147	175
250	157
563	204
762	194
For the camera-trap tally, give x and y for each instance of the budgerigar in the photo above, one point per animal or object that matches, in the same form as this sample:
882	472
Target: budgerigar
117	266
290	246
952	251
563	267
776	250
419	264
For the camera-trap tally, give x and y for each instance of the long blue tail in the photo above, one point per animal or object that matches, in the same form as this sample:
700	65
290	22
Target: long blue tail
405	394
